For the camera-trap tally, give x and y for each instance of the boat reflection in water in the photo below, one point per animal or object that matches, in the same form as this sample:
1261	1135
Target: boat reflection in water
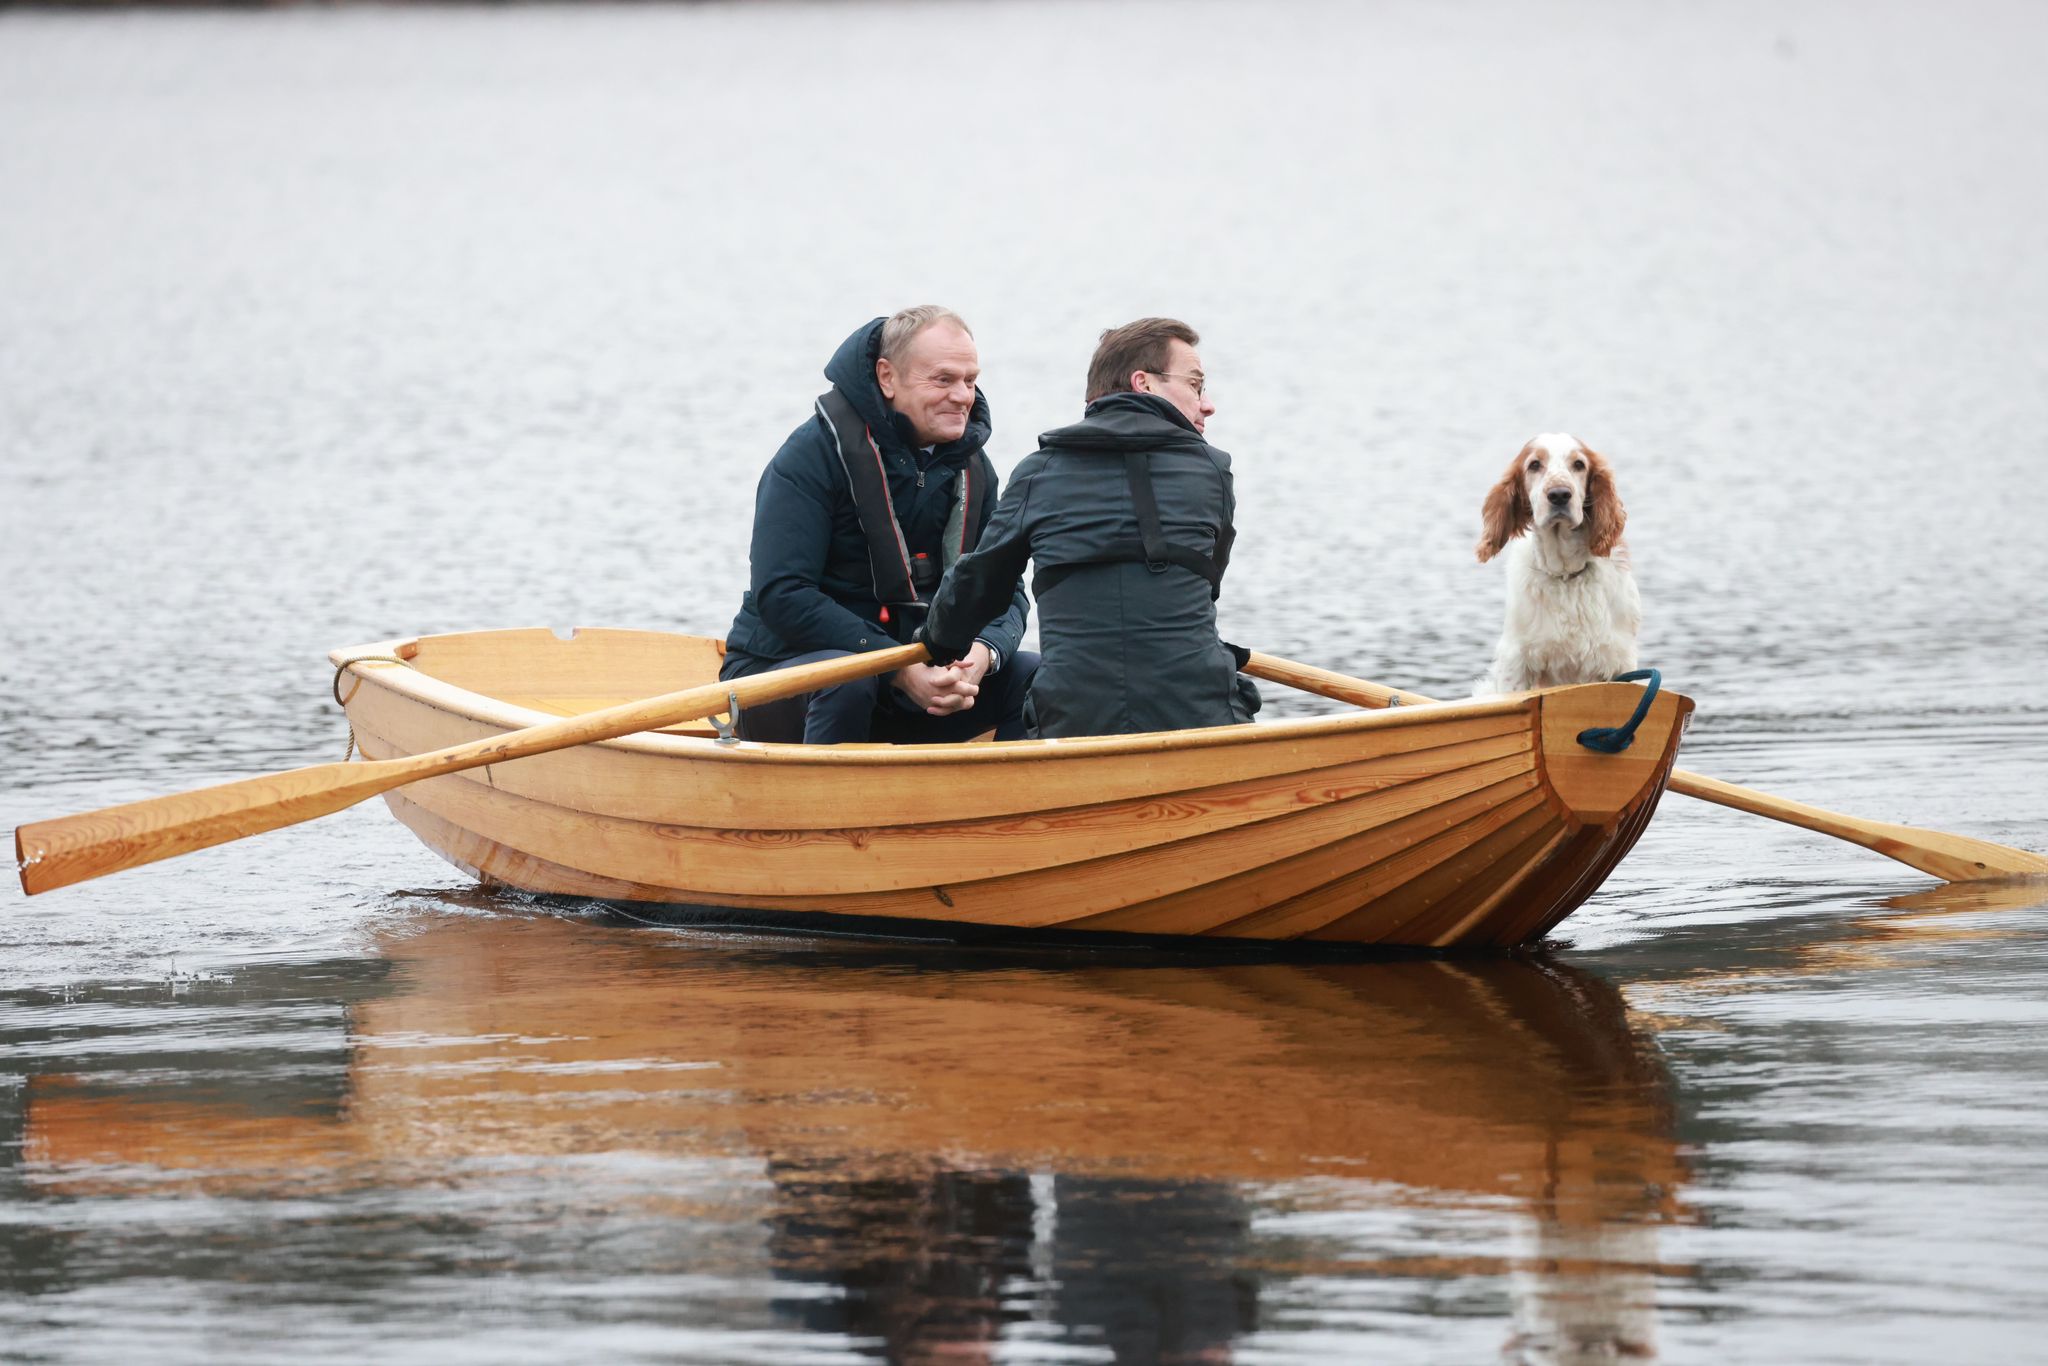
947	1150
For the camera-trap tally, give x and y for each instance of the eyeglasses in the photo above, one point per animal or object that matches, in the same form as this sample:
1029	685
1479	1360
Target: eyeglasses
1194	380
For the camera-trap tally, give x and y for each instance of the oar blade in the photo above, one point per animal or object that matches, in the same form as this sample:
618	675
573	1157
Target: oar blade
1955	858
69	849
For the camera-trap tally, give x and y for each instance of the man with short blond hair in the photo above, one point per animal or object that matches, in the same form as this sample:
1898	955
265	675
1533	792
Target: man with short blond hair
1127	517
901	328
856	518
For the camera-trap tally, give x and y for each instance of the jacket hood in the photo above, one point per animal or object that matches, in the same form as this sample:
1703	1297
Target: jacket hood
1124	422
852	372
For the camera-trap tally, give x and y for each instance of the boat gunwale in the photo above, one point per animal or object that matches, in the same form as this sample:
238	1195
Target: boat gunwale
455	700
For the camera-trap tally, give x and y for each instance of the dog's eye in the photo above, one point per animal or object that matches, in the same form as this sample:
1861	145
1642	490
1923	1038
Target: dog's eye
1535	467
1578	464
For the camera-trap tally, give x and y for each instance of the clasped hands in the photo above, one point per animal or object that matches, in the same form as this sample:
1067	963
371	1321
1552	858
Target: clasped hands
942	689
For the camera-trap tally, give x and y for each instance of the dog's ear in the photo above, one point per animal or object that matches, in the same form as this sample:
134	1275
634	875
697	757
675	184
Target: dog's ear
1506	513
1605	516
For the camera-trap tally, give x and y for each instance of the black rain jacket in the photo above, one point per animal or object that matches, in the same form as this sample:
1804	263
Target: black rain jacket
1125	647
810	586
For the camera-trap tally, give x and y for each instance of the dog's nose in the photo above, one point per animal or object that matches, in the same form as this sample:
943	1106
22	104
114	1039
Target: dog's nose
1560	498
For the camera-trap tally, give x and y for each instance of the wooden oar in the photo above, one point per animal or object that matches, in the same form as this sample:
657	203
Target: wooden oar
57	853
1956	858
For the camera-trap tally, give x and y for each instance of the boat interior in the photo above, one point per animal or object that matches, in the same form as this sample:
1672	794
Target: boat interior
570	672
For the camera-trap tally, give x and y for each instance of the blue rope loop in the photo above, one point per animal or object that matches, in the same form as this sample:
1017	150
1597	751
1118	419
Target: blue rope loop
1615	739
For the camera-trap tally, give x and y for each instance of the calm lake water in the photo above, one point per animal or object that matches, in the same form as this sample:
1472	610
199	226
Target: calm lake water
324	326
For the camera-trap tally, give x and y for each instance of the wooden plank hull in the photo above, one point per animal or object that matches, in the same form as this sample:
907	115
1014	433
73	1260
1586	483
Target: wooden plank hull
1467	825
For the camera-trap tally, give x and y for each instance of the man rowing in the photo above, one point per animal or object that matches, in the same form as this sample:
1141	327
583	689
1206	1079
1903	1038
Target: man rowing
856	518
1128	517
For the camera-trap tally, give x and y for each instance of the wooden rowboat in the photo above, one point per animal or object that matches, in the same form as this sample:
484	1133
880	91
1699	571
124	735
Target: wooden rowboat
1466	825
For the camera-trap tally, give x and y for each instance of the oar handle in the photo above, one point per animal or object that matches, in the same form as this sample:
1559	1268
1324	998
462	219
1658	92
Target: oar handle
1337	687
57	853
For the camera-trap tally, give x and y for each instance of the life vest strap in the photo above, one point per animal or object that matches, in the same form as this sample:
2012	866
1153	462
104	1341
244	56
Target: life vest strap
861	458
889	557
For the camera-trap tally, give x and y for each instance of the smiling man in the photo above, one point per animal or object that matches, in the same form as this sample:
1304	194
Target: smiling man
855	520
1127	516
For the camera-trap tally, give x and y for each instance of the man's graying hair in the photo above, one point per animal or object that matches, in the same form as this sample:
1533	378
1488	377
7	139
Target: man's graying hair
1142	345
898	331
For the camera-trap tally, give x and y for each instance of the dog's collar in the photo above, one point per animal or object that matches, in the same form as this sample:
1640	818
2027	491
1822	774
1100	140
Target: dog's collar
1552	574
1566	578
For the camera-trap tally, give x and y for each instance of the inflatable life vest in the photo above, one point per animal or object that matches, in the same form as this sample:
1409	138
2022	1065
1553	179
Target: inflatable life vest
903	582
1151	548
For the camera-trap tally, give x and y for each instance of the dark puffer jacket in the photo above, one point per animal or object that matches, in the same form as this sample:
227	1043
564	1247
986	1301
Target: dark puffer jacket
1126	647
811	587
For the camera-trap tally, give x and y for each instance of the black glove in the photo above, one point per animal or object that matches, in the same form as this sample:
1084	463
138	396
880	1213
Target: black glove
941	656
1238	653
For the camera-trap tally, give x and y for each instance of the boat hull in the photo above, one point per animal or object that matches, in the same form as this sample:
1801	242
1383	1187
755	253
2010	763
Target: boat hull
1469	825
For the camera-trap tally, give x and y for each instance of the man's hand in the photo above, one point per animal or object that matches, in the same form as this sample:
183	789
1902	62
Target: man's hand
942	689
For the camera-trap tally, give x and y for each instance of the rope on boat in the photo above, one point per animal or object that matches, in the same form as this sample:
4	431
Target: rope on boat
1615	739
342	702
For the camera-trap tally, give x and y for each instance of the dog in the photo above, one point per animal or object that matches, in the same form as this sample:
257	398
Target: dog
1573	608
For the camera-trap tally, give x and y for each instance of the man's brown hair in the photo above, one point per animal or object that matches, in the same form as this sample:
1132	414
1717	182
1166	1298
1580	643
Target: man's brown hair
1143	345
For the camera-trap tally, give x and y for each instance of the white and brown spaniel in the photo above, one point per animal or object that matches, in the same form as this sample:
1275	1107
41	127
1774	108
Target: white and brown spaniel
1573	608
